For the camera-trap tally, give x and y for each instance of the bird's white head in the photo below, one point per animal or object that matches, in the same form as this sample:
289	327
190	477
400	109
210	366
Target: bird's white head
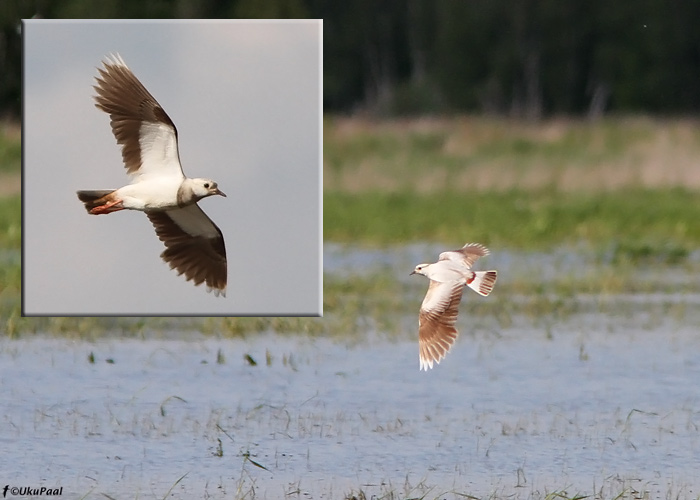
421	269
201	188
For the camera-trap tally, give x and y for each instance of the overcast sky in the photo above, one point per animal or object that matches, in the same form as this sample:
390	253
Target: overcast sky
245	97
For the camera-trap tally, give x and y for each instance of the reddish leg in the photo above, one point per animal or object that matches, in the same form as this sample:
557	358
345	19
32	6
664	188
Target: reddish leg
112	206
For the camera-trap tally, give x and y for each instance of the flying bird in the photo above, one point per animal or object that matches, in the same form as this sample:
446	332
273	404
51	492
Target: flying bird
438	313
159	187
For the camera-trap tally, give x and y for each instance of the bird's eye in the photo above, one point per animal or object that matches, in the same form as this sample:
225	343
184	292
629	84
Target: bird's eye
206	185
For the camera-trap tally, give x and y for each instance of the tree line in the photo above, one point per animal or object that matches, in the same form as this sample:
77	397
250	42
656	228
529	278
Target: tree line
521	58
524	58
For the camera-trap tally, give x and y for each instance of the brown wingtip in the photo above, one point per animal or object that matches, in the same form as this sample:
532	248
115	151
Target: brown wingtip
434	348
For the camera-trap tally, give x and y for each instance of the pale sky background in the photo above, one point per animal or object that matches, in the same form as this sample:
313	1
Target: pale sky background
245	97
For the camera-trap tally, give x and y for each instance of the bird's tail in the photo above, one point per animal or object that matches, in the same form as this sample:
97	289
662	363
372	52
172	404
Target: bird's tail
93	198
483	281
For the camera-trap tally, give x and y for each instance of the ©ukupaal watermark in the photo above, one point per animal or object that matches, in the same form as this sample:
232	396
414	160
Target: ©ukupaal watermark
28	491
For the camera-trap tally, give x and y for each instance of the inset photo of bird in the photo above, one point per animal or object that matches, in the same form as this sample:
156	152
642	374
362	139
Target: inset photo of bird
159	188
172	168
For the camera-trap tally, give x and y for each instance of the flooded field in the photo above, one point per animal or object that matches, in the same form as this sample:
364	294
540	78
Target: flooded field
602	401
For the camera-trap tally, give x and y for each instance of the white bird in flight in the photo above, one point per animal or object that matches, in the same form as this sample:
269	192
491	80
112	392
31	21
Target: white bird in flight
438	313
148	137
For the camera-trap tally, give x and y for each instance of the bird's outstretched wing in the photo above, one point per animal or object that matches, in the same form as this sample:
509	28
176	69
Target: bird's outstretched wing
436	321
145	132
466	255
194	246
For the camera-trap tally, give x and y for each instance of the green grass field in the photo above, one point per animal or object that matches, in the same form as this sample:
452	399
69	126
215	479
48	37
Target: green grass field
629	182
666	221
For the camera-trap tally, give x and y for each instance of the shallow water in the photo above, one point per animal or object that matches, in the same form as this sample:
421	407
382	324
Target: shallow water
601	401
568	262
514	414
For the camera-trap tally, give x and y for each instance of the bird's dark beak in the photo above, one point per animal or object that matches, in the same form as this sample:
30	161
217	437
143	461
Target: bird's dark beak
414	272
218	191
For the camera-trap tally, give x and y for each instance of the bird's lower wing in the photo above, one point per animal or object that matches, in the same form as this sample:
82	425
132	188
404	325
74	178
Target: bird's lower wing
194	246
436	321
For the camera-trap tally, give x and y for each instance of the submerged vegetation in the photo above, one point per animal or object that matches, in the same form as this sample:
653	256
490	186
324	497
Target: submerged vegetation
630	182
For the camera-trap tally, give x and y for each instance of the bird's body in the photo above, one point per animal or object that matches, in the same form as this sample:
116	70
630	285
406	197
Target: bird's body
159	187
444	271
438	314
146	195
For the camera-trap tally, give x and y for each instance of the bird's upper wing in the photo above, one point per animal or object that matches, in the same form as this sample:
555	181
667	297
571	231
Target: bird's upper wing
466	255
146	133
194	245
436	321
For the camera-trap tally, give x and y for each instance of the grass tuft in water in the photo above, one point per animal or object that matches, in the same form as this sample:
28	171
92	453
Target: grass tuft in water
166	401
174	484
563	495
219	452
